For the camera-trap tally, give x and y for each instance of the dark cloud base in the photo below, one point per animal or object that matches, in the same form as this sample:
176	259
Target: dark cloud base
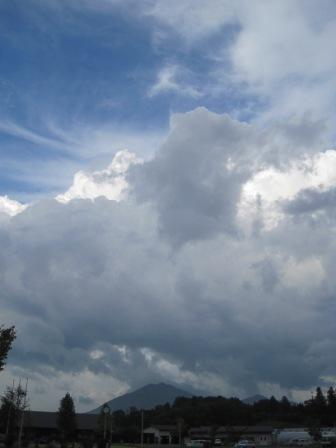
165	285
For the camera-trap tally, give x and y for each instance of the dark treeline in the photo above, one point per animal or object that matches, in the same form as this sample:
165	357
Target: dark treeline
319	411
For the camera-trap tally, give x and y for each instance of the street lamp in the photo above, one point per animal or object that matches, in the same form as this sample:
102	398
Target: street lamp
106	411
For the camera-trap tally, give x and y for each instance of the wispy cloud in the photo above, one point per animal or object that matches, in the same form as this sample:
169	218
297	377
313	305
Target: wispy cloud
62	152
171	78
20	132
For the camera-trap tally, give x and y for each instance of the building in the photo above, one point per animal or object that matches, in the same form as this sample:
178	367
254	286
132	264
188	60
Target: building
260	435
201	433
161	435
43	425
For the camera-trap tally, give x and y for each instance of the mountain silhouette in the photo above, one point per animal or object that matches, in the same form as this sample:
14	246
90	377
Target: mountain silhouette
147	397
254	399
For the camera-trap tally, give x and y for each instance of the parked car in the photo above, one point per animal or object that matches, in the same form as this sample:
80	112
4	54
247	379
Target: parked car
244	444
302	442
199	443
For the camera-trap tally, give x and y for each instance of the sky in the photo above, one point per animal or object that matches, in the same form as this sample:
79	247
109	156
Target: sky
168	196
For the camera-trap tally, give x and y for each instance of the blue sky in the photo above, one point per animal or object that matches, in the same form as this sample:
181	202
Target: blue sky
68	67
165	164
80	72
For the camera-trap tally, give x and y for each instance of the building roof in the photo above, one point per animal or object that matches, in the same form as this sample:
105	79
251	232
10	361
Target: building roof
245	429
48	420
162	427
200	429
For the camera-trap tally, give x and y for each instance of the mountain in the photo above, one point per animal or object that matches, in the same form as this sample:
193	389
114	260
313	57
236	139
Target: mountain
147	397
254	399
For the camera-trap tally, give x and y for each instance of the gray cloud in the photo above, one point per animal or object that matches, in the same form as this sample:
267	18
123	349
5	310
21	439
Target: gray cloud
164	285
311	200
195	180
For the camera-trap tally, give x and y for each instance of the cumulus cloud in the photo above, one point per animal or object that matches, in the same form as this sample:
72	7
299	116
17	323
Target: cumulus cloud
109	183
270	191
163	283
312	200
195	179
10	207
209	263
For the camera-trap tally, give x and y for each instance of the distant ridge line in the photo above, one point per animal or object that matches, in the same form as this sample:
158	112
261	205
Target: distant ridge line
146	397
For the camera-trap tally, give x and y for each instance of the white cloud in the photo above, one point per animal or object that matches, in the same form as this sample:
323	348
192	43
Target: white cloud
20	132
263	195
276	51
279	52
10	207
305	275
192	19
66	149
203	381
282	53
170	79
109	183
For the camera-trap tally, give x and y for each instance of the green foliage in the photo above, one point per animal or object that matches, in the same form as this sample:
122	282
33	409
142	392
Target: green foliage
221	411
7	336
66	418
13	403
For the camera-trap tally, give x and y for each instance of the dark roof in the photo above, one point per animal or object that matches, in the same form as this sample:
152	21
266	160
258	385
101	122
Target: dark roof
245	429
48	420
163	427
201	429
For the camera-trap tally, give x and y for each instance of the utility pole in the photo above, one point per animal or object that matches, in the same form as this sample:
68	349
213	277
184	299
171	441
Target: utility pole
9	410
23	407
142	426
111	429
180	433
106	412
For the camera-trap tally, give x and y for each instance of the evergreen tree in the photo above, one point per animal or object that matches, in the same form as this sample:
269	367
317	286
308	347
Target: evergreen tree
331	398
7	336
319	399
285	405
66	419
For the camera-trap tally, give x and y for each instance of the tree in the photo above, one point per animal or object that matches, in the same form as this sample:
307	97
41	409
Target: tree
331	397
319	402
13	404
66	419
7	336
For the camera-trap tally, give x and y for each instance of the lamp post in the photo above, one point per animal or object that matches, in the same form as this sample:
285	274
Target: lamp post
106	412
180	422
23	406
142	427
111	429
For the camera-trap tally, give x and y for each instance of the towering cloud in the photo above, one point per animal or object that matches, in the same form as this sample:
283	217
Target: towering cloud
185	278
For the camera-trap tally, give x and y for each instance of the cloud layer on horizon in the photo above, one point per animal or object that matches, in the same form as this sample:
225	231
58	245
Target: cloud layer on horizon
182	279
